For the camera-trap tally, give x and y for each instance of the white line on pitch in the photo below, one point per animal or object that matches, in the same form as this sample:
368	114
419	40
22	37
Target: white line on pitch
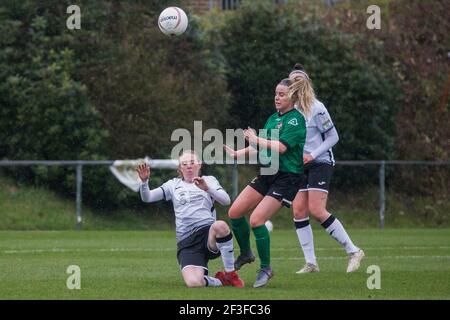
338	248
62	250
371	257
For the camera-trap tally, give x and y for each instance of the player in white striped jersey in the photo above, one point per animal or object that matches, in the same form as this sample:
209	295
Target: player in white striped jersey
321	136
200	237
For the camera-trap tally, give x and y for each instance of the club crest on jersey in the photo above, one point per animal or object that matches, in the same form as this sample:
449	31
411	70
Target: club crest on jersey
327	125
279	124
182	196
326	122
293	122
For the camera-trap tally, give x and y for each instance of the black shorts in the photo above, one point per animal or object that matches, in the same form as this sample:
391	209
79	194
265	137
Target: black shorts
194	250
317	177
283	186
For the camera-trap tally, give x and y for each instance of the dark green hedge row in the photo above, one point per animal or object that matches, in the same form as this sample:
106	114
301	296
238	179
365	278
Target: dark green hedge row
118	87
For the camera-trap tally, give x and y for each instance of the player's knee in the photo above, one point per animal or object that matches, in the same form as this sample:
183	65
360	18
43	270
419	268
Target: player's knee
321	218
221	228
256	221
193	282
300	211
234	213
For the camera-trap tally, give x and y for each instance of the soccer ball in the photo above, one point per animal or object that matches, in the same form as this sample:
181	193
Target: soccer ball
173	21
269	225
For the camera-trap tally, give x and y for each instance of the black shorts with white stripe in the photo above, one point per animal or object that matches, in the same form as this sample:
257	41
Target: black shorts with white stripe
282	186
317	176
194	250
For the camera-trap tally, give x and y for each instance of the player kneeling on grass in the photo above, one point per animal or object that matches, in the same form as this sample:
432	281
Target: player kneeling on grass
199	236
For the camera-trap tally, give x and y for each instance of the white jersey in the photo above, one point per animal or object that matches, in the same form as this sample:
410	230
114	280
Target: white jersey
194	208
318	122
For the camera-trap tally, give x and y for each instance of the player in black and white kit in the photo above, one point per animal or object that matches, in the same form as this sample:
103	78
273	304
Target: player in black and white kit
200	237
321	136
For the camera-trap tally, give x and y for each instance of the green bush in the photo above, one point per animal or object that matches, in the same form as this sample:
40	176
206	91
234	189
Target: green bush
116	89
45	112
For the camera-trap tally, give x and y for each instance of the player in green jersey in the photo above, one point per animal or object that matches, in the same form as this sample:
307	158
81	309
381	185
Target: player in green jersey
282	140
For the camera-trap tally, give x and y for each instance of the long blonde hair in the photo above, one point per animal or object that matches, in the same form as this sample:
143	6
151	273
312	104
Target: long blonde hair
301	92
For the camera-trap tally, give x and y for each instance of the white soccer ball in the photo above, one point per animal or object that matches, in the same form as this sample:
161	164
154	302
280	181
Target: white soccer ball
173	21
269	225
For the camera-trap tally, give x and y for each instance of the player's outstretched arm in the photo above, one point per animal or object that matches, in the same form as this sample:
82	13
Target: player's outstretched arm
273	145
148	195
239	153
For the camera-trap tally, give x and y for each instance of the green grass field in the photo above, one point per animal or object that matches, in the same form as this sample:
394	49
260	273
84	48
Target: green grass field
414	263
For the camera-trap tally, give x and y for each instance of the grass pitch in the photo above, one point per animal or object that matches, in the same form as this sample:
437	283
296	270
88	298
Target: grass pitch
414	263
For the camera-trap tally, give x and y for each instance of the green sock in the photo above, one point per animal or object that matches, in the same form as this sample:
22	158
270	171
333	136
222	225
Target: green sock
241	230
263	244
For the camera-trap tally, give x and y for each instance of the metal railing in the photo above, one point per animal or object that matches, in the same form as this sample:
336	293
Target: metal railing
78	164
169	164
382	176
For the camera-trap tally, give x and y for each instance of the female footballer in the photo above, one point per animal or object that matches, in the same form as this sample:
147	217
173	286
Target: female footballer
199	236
266	194
318	161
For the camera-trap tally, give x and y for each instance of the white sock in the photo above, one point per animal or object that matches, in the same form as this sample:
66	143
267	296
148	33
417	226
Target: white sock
225	245
305	237
212	282
336	230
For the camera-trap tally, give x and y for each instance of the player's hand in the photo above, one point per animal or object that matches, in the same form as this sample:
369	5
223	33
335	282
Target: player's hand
201	183
250	135
307	158
230	151
143	171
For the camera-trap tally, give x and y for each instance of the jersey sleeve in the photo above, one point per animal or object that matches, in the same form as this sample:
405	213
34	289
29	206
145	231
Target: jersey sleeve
323	120
293	132
213	183
331	137
216	191
148	195
167	188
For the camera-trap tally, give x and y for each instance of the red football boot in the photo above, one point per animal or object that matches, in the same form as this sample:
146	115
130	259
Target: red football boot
230	279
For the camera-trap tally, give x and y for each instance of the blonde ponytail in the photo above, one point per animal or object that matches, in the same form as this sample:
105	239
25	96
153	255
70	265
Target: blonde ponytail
301	92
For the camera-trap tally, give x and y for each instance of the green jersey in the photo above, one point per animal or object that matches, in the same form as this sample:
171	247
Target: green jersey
292	134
